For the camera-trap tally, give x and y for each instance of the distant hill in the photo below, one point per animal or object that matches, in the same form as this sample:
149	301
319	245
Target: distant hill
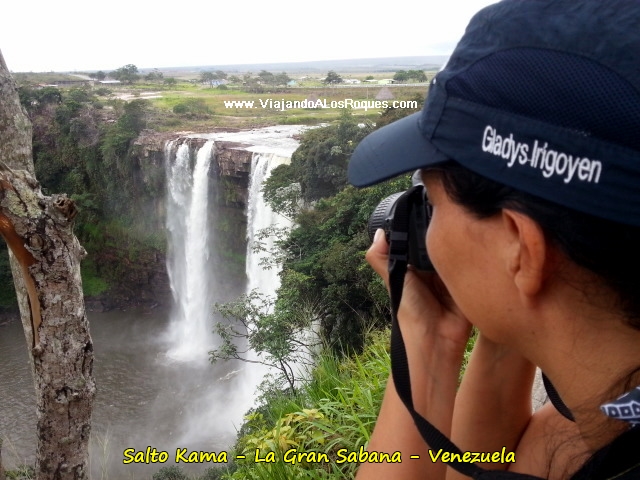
387	64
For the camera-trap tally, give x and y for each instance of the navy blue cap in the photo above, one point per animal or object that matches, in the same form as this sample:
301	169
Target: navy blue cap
540	95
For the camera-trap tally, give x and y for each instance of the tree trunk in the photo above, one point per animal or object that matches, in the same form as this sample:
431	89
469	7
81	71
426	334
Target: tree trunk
2	476
45	262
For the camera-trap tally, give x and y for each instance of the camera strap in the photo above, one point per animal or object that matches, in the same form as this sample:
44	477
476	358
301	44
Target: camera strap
398	261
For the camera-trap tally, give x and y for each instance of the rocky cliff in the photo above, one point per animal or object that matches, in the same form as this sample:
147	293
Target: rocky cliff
232	166
143	279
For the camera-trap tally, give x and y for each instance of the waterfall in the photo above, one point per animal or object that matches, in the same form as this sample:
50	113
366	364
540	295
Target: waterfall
263	278
187	262
259	217
213	399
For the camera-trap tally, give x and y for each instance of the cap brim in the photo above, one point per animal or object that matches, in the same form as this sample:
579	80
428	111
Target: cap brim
390	151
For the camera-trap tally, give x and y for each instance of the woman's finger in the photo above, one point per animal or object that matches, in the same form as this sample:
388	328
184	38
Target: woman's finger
378	255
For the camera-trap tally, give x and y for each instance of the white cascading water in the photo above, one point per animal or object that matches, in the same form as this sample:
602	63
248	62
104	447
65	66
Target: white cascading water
212	398
259	217
259	277
189	275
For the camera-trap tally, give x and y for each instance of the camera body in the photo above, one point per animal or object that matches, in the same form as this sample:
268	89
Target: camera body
404	217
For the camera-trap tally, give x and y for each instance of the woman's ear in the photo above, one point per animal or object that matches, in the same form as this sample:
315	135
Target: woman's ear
527	254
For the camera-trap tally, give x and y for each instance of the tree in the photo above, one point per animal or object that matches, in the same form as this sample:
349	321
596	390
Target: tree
332	78
170	82
401	76
154	76
45	263
282	79
405	76
417	75
266	78
207	77
252	84
126	74
283	342
100	75
319	164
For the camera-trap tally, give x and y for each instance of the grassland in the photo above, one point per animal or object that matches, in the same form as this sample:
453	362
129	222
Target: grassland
207	105
193	106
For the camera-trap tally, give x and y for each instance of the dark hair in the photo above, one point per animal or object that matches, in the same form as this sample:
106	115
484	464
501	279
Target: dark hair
606	248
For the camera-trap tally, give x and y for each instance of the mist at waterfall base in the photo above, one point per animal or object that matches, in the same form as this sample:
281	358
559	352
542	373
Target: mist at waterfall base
155	385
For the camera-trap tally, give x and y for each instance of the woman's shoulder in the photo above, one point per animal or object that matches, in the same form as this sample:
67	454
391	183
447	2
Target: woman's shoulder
550	447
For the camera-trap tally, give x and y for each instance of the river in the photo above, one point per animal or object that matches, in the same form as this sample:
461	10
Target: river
144	398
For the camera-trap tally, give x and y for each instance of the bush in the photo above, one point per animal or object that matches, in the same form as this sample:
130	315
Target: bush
218	473
170	473
181	108
193	107
337	409
22	472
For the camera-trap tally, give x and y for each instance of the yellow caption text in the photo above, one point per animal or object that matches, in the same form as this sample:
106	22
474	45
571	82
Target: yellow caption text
293	456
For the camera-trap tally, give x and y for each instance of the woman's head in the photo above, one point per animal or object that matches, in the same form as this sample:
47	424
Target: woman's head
539	105
605	248
542	96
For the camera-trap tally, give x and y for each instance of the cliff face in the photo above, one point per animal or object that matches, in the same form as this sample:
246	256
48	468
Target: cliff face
232	165
143	280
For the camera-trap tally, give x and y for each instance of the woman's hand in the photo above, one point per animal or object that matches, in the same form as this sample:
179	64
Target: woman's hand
435	335
428	317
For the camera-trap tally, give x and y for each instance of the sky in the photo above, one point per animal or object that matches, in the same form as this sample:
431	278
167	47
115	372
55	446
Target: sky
75	35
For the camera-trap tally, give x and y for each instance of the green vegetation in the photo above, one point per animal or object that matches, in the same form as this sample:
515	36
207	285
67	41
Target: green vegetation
193	107
83	146
410	75
335	410
50	78
126	74
332	78
209	90
23	472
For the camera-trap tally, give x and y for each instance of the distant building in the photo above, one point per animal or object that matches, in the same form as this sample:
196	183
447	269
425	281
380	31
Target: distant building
72	83
109	82
351	81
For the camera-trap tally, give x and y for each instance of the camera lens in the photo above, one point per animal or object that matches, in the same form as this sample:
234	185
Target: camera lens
383	215
410	225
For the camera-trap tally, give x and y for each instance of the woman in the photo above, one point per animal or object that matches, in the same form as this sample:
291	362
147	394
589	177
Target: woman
530	154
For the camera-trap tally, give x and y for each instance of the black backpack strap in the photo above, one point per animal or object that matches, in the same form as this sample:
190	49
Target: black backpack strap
398	260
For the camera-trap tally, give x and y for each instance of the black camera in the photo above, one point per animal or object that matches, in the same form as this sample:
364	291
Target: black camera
404	217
